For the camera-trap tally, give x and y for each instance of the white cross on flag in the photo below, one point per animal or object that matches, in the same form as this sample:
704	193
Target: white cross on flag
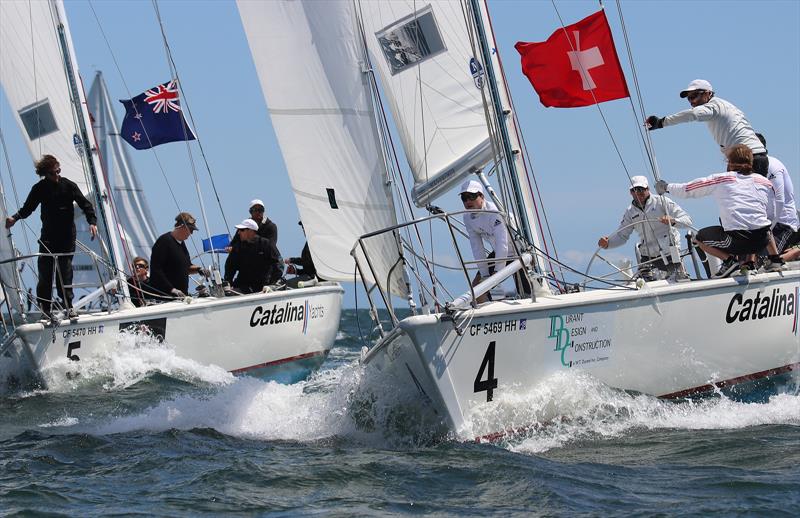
576	66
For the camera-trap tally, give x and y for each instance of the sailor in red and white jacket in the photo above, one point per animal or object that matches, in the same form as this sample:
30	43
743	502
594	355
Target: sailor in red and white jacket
746	205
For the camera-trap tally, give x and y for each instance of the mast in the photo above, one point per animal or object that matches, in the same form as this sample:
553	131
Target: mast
510	145
88	151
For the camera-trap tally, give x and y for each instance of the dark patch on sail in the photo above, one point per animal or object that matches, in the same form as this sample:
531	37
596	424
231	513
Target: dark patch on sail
332	198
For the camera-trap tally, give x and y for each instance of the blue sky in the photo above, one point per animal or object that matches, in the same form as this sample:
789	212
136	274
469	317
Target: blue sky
749	51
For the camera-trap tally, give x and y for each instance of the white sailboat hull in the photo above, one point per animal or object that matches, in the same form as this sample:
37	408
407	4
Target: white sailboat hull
282	336
667	340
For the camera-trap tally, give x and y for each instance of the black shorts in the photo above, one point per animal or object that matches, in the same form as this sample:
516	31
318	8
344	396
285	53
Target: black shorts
783	235
734	241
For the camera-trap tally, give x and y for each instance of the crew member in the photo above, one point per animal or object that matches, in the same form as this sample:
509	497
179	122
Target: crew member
142	292
657	219
254	261
303	266
266	227
785	228
726	122
747	209
56	195
484	226
170	264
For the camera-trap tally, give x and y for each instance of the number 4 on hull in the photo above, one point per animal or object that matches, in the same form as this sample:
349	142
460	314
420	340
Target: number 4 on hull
487	365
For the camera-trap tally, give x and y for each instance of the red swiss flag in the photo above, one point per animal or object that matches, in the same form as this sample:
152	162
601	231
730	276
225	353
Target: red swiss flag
576	66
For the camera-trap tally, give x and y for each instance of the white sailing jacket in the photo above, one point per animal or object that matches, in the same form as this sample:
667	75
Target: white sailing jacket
745	202
726	122
785	207
482	225
654	237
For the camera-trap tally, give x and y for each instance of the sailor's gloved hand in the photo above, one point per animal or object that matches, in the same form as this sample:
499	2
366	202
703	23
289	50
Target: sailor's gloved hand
654	122
661	187
177	293
205	272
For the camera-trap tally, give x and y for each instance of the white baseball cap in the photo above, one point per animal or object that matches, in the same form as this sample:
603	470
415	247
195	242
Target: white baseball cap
697	84
639	181
471	186
248	223
255	202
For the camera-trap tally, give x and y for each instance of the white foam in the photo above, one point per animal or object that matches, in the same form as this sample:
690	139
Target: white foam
63	421
126	361
253	408
573	406
364	406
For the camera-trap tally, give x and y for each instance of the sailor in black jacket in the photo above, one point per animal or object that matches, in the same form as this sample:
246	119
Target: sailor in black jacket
55	194
254	258
170	264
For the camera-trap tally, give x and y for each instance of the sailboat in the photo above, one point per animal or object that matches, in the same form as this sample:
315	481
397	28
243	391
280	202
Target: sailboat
282	335
442	80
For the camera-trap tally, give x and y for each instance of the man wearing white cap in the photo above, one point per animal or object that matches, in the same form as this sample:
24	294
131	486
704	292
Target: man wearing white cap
726	122
657	219
483	226
254	261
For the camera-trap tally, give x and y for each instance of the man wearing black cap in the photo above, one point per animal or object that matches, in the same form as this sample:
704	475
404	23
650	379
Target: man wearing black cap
726	122
170	263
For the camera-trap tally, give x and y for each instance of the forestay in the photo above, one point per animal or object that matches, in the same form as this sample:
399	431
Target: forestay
424	58
310	65
133	212
33	76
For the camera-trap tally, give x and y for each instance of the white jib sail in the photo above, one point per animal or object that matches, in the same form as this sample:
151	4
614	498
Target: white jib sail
33	76
309	63
424	56
133	212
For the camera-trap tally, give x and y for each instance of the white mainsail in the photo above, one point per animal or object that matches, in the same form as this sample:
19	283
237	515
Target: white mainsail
424	55
36	85
133	212
309	62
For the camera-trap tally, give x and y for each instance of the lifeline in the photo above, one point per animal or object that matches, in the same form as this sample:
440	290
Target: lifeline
776	305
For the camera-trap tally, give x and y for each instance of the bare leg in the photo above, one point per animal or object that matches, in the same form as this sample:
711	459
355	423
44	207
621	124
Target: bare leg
771	248
716	252
483	298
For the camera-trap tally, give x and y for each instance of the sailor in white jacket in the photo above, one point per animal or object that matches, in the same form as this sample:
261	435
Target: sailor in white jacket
746	205
483	226
785	229
726	122
657	218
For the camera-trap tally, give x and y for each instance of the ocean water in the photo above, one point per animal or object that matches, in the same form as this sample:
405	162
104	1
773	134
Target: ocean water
145	432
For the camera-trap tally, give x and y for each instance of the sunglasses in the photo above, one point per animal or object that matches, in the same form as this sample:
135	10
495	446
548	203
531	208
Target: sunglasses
469	196
257	209
141	266
694	95
638	189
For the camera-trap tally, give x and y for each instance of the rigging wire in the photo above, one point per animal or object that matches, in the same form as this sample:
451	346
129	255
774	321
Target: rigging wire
387	143
602	114
527	164
13	186
174	71
130	96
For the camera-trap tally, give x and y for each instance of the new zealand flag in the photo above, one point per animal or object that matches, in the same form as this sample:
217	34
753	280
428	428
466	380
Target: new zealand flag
154	118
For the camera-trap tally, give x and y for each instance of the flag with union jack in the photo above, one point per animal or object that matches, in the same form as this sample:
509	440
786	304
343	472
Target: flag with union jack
154	118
